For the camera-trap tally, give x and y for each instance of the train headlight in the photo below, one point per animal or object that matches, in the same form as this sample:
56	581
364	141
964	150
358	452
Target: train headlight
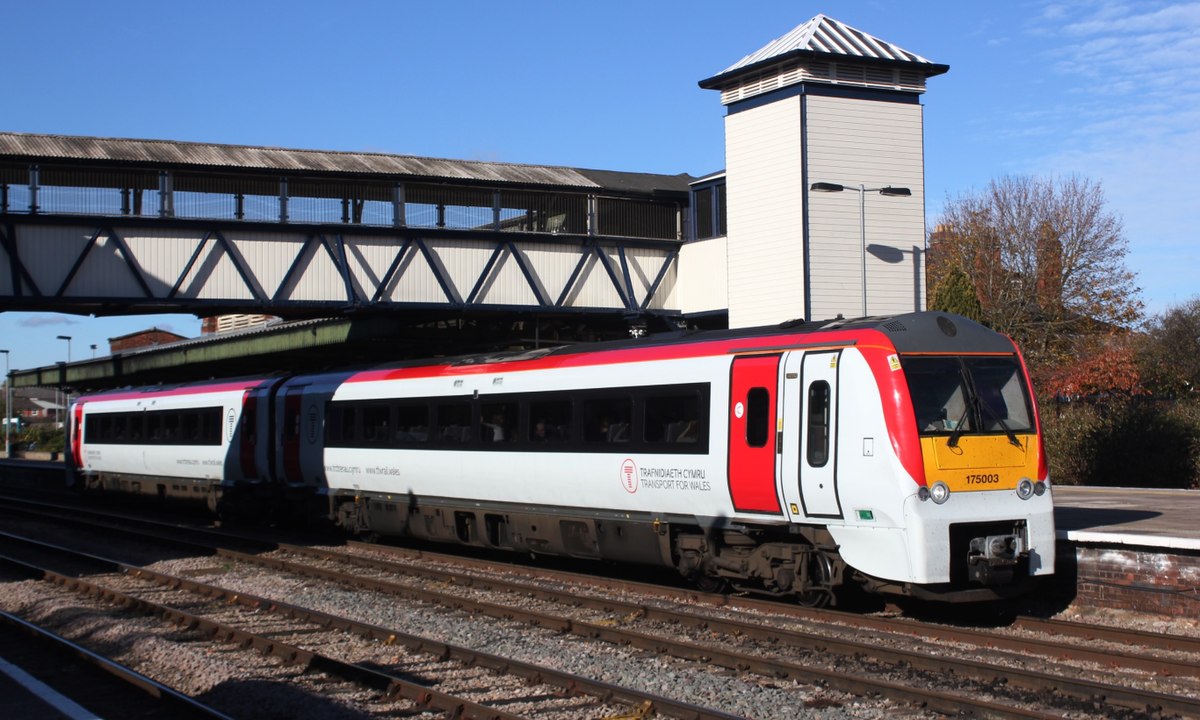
939	492
1039	488
1025	489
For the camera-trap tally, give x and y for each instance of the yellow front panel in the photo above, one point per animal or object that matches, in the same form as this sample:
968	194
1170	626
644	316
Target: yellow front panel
982	462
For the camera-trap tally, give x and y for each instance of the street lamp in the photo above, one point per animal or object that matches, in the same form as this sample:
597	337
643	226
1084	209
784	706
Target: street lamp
62	377
862	189
7	405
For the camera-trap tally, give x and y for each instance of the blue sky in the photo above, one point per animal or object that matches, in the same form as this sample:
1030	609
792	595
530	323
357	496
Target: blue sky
1106	90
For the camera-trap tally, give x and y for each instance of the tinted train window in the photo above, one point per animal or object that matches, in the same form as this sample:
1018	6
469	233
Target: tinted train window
454	423
955	395
377	424
818	424
412	423
758	417
607	420
498	422
550	421
672	418
339	424
194	426
120	434
1000	386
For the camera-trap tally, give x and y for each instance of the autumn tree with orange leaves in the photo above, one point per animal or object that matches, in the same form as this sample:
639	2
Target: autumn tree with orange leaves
1046	259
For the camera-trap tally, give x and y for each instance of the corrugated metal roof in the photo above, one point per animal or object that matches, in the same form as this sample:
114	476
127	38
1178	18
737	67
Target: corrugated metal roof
171	153
823	35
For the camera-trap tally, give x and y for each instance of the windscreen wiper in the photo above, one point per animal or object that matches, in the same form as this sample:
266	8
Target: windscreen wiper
959	427
1012	437
968	388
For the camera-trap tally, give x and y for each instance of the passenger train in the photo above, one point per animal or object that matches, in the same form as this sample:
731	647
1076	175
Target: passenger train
899	455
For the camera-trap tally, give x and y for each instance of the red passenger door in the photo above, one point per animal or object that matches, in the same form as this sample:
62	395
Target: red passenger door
754	383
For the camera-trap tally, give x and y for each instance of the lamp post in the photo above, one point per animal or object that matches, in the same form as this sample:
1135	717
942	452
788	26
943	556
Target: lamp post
63	376
7	405
862	189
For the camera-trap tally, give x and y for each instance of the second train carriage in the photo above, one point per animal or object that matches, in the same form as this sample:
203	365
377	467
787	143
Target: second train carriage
900	454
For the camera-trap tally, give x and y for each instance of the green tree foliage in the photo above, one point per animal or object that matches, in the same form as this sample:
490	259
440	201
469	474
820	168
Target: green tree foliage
43	437
1168	353
1123	442
955	293
1046	258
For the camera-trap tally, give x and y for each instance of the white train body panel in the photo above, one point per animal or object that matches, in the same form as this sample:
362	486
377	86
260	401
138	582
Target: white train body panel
560	479
182	459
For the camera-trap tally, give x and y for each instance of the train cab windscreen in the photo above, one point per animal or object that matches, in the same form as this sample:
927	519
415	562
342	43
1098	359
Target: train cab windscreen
969	395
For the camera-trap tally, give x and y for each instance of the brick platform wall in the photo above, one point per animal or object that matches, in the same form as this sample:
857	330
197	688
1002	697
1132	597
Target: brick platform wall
1130	578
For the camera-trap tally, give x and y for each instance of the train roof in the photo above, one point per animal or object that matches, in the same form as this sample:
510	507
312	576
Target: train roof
917	332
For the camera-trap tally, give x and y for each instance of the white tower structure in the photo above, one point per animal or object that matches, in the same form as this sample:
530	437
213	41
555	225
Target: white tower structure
828	106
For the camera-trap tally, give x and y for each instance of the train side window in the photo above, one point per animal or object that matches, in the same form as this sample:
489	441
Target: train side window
339	425
154	427
170	428
191	428
672	419
550	421
412	423
120	428
818	424
607	420
498	422
758	417
376	424
454	423
95	429
210	423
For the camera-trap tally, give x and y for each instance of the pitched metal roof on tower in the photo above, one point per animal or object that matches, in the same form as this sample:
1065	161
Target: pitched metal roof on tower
829	51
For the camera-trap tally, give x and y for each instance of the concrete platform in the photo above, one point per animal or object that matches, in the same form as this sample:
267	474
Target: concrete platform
1130	548
1129	516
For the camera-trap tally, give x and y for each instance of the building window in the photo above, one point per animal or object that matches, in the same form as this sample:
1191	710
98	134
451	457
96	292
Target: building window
708	211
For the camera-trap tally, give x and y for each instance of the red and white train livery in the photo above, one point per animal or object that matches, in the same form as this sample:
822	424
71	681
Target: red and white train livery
899	454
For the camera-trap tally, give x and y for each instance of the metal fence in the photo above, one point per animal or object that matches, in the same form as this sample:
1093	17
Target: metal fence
66	190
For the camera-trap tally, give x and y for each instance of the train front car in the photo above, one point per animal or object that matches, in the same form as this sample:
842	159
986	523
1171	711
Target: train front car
977	514
900	454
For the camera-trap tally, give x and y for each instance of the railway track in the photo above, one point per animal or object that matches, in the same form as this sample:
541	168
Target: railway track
93	682
261	624
765	642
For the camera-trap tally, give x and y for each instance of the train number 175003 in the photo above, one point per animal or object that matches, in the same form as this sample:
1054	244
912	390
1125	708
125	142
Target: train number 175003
988	479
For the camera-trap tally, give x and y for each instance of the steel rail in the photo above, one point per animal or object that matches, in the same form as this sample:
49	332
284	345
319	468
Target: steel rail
1063	628
1036	681
982	638
393	686
1082	631
572	684
179	704
1083	690
862	685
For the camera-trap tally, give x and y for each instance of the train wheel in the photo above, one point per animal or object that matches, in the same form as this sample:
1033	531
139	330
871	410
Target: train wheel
709	583
819	593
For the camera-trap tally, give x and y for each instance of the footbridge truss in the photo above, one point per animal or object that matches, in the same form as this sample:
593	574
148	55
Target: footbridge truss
90	225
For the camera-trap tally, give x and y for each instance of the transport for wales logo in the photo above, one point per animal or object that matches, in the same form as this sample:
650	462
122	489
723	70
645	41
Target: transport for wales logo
629	475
